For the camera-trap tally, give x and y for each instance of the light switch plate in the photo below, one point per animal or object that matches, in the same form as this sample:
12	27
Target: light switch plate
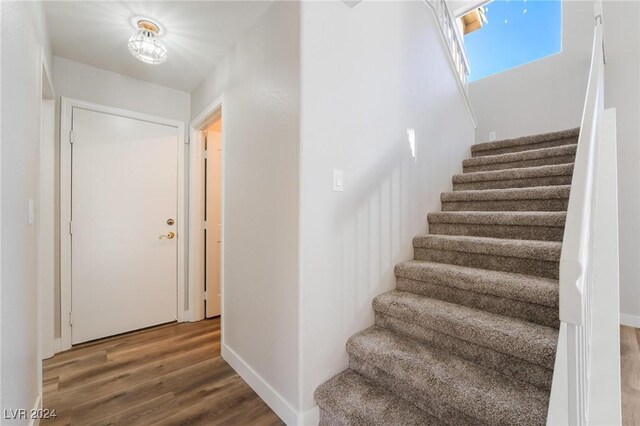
492	136
338	180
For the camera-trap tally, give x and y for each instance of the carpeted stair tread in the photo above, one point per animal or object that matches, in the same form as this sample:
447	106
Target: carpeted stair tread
522	156
527	225
530	342
526	142
500	218
532	158
539	258
535	193
524	249
508	285
503	298
505	364
485	395
353	400
555	174
539	198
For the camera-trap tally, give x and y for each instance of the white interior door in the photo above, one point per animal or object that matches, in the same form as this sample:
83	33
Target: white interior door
124	197
214	220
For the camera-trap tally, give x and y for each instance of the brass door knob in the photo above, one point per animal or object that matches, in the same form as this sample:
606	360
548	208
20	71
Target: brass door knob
169	236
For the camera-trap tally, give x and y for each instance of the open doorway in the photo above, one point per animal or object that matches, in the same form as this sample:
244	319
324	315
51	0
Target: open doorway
206	206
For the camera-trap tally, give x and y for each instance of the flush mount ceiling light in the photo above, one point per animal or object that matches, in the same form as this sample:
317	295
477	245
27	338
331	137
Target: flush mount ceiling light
145	43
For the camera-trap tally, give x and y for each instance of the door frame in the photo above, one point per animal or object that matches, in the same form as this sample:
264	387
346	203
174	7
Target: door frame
197	126
66	110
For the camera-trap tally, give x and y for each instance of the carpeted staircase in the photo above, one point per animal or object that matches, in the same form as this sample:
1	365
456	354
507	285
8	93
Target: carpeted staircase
469	335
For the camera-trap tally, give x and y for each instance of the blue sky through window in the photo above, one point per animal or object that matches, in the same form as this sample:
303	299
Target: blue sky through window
517	32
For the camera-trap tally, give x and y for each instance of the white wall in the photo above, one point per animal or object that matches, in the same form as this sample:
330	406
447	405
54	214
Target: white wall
548	95
79	81
542	96
23	40
259	79
622	91
368	74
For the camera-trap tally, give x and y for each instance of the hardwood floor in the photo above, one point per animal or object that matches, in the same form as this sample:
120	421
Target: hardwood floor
630	371
174	375
170	375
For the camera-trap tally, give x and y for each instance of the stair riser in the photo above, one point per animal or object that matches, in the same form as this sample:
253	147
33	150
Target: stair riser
538	314
547	205
539	268
513	183
328	419
430	401
528	147
547	161
504	364
544	233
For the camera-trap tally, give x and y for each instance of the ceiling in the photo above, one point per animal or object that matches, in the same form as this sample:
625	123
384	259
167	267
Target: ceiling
197	34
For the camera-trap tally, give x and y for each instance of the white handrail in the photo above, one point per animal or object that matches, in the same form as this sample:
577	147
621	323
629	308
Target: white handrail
574	258
588	284
455	47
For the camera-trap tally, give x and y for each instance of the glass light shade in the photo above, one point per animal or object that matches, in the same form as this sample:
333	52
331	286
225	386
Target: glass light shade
145	45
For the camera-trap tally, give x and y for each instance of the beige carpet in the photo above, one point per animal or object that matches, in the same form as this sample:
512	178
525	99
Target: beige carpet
469	335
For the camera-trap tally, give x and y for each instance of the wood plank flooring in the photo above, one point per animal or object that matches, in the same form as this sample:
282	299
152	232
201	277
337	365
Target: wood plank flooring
174	375
630	371
169	375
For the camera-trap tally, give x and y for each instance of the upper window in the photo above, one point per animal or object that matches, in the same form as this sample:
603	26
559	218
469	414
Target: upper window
512	33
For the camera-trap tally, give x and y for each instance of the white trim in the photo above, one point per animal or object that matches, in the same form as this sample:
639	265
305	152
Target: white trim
630	320
310	418
65	217
267	393
37	406
57	344
212	112
66	108
468	7
207	115
45	214
196	238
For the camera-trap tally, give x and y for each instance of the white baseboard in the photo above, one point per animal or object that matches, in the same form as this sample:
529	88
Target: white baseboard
630	320
54	348
37	406
268	394
310	418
